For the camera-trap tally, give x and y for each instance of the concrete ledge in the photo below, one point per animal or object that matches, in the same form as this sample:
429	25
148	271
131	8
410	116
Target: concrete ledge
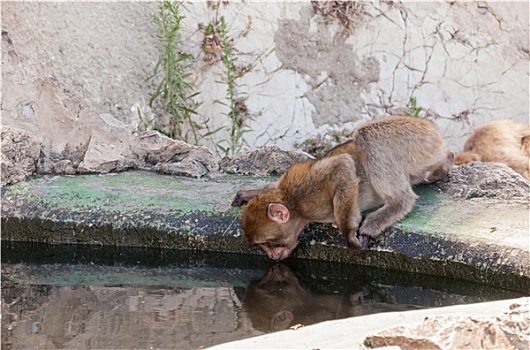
481	240
350	333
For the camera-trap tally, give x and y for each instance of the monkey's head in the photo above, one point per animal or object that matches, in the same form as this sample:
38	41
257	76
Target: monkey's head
440	170
268	223
466	157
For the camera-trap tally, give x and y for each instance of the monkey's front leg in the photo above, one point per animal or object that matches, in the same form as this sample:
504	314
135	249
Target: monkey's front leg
348	215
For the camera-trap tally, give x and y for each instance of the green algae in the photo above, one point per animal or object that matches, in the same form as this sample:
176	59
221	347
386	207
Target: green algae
429	215
141	191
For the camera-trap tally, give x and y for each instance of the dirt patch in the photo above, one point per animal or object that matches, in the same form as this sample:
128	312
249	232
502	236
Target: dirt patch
479	179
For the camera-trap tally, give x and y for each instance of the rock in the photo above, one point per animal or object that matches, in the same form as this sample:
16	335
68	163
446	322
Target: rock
109	148
478	179
60	119
187	167
56	163
509	331
64	166
20	155
161	153
262	162
103	156
75	141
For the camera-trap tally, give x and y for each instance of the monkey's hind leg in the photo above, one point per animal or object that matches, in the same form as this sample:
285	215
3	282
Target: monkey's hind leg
398	200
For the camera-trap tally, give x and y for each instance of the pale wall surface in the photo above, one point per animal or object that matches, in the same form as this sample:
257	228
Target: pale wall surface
466	63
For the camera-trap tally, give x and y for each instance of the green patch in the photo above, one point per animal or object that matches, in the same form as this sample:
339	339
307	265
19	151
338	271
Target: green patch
429	215
136	191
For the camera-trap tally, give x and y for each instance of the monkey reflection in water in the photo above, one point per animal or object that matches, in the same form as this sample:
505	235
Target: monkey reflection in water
278	301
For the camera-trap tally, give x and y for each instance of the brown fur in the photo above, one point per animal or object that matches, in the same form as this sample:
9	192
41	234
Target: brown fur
466	157
378	166
502	141
329	190
525	145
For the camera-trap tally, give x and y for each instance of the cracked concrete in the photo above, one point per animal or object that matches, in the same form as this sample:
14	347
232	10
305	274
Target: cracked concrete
312	48
465	62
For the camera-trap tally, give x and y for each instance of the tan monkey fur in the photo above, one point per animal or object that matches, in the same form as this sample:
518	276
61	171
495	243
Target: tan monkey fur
502	141
377	167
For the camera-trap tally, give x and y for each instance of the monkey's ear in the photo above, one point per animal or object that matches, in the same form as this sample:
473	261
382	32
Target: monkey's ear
450	156
278	212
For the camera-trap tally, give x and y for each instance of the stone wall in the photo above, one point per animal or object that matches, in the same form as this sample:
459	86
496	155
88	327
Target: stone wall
314	67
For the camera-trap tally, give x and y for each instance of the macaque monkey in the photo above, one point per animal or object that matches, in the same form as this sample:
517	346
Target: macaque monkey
502	141
377	167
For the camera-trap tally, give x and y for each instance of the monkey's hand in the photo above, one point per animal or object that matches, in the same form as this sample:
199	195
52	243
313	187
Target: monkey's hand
243	196
371	228
240	199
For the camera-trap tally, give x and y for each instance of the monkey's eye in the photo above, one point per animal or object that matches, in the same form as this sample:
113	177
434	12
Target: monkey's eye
266	245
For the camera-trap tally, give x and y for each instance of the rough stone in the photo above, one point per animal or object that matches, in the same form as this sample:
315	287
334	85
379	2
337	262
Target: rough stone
53	163
109	146
478	179
511	330
47	110
63	167
20	155
103	156
187	167
157	151
71	140
262	162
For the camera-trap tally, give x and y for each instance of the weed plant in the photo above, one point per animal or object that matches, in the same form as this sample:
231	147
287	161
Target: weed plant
414	110
237	110
175	90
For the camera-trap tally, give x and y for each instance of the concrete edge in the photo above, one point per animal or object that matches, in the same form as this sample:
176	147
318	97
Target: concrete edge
351	332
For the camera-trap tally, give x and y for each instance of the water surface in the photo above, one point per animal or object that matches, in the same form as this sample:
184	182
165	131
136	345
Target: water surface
57	296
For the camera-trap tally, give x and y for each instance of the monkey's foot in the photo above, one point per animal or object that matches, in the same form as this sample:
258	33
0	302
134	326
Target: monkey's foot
370	229
364	241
